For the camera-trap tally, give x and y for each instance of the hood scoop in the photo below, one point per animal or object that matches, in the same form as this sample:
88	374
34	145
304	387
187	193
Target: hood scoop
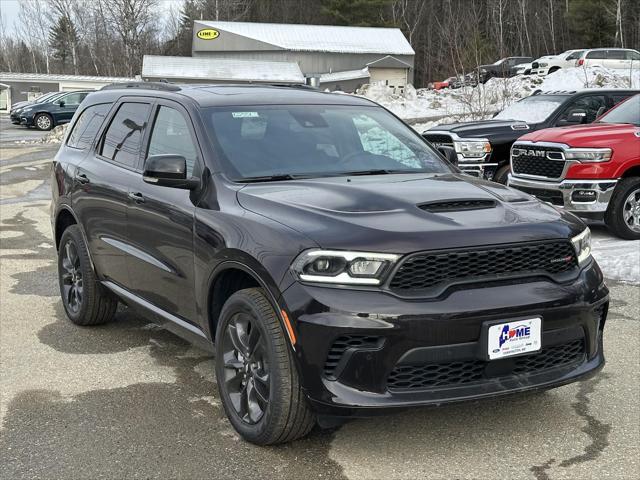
457	205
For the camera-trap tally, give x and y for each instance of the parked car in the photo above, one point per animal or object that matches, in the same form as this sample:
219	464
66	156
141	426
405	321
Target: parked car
339	264
54	111
549	64
501	68
16	108
590	170
609	58
483	146
444	84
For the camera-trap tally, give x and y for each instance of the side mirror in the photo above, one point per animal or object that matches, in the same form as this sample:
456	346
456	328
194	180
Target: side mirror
449	154
575	117
168	171
61	103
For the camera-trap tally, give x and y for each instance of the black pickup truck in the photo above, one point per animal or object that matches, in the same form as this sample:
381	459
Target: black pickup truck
483	146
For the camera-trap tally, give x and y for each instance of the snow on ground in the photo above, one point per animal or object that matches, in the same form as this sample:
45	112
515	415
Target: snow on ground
619	259
424	108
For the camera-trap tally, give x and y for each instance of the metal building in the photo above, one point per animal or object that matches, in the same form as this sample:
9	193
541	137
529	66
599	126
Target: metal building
18	87
340	57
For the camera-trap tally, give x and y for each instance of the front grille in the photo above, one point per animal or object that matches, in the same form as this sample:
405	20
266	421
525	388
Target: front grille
527	163
457	205
430	270
551	196
438	139
437	375
344	343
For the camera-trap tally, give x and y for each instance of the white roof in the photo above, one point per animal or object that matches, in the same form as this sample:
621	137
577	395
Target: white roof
345	75
52	77
320	38
227	69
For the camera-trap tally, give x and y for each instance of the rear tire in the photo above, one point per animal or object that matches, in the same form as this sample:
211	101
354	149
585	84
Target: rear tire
623	213
43	121
257	378
502	174
86	302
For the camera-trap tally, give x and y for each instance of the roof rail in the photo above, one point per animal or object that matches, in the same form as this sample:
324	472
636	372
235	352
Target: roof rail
554	92
162	86
293	85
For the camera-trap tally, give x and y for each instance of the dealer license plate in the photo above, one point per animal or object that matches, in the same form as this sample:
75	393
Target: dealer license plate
514	338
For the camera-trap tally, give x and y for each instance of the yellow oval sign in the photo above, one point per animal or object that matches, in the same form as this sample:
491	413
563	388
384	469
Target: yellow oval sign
208	34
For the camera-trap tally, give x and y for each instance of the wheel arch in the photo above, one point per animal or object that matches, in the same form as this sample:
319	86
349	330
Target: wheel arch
231	276
64	219
633	171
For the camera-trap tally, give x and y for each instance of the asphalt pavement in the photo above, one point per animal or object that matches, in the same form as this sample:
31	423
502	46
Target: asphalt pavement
130	400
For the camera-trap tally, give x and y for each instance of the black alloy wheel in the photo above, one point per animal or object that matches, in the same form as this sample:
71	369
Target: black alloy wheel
71	278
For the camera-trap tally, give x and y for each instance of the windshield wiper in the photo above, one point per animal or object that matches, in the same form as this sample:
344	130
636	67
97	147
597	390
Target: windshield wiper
378	171
270	178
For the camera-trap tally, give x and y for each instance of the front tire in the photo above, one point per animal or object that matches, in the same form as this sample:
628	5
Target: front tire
85	300
256	376
502	175
623	212
43	121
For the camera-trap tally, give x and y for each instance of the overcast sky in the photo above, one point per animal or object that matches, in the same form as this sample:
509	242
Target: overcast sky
10	8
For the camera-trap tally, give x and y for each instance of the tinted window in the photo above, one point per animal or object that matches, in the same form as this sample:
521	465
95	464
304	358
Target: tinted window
171	135
575	55
631	55
124	135
73	98
87	126
616	54
620	97
317	141
591	104
596	54
627	112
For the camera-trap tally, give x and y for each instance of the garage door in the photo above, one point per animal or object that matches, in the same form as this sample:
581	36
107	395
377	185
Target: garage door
393	77
4	99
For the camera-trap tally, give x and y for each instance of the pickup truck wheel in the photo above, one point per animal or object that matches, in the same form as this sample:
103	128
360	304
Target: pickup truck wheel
553	69
623	213
43	121
502	175
256	376
85	300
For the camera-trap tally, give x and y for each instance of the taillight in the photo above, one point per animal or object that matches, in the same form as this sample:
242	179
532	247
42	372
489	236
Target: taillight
581	62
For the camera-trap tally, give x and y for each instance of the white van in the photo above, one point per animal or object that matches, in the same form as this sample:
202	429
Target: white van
609	58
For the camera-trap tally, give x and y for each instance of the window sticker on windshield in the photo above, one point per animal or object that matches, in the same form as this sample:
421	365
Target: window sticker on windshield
244	114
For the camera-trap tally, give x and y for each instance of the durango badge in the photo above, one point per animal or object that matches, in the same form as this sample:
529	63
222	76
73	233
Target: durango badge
208	34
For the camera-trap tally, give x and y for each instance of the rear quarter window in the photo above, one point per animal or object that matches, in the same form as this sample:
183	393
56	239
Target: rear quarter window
86	127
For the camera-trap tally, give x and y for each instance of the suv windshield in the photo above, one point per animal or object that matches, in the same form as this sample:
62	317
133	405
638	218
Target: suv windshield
534	109
626	112
290	141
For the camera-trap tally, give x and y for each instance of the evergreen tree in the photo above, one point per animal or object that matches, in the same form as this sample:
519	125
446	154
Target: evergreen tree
592	22
363	13
63	38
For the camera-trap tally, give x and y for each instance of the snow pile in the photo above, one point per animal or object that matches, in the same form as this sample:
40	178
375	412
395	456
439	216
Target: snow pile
619	259
56	135
424	107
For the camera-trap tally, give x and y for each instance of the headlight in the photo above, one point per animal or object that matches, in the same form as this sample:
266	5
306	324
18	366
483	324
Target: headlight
340	267
582	246
543	64
472	148
587	155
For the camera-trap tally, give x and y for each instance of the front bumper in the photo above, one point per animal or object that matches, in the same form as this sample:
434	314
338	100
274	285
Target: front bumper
542	71
478	168
378	334
582	197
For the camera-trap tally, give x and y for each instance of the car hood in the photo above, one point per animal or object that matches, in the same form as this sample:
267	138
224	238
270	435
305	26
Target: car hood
382	213
483	128
593	135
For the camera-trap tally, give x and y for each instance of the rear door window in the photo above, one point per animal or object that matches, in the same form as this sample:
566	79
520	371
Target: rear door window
73	99
124	136
596	55
87	126
171	135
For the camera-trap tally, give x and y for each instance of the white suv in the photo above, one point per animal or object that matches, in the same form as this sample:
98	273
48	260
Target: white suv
546	65
609	58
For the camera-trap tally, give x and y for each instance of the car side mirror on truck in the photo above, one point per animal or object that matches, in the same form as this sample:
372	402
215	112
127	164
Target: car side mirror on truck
574	117
168	171
449	154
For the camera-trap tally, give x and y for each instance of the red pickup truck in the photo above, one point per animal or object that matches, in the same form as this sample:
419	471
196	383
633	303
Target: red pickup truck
590	170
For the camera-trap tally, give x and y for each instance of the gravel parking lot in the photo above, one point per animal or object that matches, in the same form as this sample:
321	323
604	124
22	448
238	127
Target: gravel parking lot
130	400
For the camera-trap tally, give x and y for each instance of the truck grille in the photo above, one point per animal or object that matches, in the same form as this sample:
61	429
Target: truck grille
528	162
438	139
425	273
438	375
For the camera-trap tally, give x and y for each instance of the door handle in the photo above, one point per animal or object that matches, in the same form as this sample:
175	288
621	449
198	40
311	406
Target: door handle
136	197
82	179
